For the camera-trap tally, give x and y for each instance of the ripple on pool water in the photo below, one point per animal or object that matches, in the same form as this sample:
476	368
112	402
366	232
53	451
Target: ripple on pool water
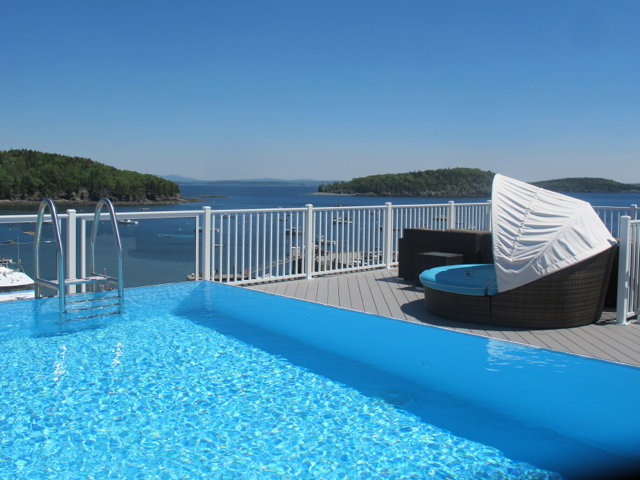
164	396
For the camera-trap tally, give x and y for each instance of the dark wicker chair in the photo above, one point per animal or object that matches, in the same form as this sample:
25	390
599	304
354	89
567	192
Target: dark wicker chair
571	297
475	246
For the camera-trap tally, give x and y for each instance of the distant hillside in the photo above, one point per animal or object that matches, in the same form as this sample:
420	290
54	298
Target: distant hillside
30	175
446	182
257	181
587	185
460	182
180	179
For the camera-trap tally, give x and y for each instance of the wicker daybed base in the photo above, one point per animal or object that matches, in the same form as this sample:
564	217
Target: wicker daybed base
572	297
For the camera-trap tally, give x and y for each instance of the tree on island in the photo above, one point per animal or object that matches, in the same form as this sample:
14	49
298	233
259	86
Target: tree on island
32	175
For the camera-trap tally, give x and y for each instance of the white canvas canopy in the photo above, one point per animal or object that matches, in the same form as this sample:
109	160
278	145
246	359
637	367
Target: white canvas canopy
537	232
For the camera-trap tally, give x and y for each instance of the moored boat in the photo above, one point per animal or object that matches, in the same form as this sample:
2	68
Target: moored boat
13	280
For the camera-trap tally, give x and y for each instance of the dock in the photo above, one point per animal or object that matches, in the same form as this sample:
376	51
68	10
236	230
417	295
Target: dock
382	292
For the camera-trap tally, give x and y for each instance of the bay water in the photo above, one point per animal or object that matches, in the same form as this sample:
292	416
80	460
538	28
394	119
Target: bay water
160	251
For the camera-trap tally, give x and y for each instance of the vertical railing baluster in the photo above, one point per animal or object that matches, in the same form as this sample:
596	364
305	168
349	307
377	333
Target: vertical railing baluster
264	245
83	253
227	247
243	230
624	270
206	246
214	221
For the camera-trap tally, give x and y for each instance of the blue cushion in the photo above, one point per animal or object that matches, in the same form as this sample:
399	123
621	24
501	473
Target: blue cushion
492	289
466	279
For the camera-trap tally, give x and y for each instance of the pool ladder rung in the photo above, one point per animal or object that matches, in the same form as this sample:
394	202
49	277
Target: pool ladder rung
95	307
96	315
93	299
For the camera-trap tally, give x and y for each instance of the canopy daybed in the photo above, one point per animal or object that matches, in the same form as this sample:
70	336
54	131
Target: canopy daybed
552	259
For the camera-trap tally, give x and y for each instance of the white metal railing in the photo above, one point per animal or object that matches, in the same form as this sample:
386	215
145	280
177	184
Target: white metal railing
349	238
248	246
71	218
467	216
245	246
628	301
610	216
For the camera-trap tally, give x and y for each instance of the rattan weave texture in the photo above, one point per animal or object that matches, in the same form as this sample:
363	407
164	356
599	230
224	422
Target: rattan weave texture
569	298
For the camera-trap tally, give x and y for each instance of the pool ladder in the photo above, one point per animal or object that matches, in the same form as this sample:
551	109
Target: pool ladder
91	306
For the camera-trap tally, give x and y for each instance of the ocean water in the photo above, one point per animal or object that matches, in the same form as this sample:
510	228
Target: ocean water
162	251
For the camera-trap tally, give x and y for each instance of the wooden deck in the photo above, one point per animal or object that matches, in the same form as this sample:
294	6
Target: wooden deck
381	292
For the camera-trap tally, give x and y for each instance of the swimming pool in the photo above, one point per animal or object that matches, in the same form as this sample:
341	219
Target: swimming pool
205	380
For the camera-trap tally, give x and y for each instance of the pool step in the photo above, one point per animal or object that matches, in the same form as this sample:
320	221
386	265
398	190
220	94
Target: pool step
101	314
93	305
86	300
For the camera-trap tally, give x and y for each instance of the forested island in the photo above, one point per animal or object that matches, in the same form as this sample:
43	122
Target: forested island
459	182
445	182
587	185
29	176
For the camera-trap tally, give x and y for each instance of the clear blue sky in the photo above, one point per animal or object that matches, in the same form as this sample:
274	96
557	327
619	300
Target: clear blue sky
326	89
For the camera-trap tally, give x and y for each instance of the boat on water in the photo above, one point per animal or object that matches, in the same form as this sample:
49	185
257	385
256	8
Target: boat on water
10	242
14	283
127	221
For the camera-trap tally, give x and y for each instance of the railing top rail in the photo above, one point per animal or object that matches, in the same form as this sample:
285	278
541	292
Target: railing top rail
143	215
604	207
259	210
421	205
28	218
354	207
104	216
471	204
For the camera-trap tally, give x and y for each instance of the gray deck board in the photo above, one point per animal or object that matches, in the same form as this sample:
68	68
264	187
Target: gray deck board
301	291
381	292
334	296
354	293
344	296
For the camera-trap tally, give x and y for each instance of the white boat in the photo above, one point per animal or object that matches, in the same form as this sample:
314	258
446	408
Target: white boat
127	221
14	284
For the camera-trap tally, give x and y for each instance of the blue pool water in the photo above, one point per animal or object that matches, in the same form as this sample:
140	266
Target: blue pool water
205	380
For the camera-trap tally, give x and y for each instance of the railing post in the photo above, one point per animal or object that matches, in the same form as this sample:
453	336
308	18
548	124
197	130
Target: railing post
83	253
310	251
634	212
197	259
388	235
206	244
451	223
487	218
622	305
71	248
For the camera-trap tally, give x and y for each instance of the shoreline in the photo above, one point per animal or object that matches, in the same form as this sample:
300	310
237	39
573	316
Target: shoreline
64	201
397	196
334	194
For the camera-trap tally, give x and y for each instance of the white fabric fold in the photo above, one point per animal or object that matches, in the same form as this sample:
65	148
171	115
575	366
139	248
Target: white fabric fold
537	232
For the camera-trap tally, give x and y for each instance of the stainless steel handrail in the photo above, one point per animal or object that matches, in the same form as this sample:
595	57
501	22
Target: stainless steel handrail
62	282
47	202
116	236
